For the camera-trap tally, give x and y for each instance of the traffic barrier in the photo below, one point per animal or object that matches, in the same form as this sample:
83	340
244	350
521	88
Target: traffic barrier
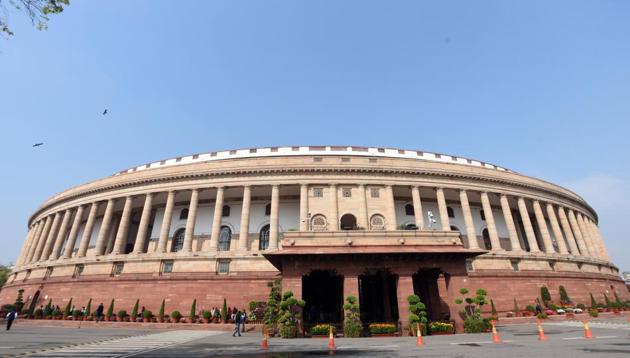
495	334
587	330
331	339
264	344
419	341
541	332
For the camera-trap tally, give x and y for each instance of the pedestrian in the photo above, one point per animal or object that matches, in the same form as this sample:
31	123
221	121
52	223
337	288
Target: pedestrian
12	316
243	320
237	324
538	307
99	312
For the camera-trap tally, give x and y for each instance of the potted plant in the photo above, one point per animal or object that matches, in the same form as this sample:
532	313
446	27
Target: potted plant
352	322
322	330
161	312
56	314
207	315
109	316
122	314
193	312
176	316
417	315
134	311
38	314
441	328
382	329
147	316
529	311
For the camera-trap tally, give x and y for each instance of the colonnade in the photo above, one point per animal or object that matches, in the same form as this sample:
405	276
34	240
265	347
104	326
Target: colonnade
575	233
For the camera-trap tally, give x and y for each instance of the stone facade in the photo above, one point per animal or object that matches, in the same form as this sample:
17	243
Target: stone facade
221	225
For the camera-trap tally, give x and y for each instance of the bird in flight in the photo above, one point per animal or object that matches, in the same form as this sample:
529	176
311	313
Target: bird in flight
105	111
37	145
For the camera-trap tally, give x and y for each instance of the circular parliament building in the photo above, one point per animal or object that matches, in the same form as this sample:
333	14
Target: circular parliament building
330	221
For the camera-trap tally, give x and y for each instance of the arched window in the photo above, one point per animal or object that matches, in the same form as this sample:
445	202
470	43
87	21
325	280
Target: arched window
377	222
486	239
225	237
178	240
183	215
451	213
348	222
267	209
226	211
263	238
409	211
319	223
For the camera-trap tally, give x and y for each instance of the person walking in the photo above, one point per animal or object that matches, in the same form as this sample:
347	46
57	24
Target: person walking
243	320
99	312
12	316
237	324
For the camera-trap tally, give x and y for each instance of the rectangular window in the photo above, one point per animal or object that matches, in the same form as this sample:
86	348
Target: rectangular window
469	265
374	193
483	215
318	192
167	267
78	270
223	267
117	269
346	192
514	264
49	271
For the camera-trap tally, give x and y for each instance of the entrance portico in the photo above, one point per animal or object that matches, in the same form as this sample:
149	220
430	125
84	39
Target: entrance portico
381	269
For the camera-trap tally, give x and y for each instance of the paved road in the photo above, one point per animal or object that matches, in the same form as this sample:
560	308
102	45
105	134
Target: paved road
564	340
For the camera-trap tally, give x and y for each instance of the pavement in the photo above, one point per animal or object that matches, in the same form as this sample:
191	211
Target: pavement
564	339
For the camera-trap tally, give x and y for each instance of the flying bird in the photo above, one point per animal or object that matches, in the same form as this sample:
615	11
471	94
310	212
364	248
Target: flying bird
37	145
105	111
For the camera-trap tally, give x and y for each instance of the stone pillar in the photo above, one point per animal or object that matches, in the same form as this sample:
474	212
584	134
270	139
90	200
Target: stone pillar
529	229
50	239
103	233
293	284
542	226
333	223
42	239
24	249
492	227
33	246
274	218
244	234
141	237
74	230
166	222
363	220
189	234
87	231
568	232
404	290
216	221
555	227
471	233
61	235
304	207
586	236
509	222
120	242
417	207
390	220
441	200
578	234
599	237
350	287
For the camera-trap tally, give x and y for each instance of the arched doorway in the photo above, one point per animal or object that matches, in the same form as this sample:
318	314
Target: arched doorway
178	240
348	222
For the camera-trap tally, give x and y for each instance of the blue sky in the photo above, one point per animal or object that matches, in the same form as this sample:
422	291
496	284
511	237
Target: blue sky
540	87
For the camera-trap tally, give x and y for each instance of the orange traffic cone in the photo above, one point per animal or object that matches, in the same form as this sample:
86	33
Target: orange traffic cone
541	332
419	341
587	330
264	345
331	339
495	335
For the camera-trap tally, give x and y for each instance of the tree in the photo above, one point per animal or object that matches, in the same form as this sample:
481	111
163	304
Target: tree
564	296
418	313
471	314
607	300
4	270
352	322
193	310
68	311
19	301
161	311
110	310
545	295
224	311
36	10
290	315
272	310
593	302
134	311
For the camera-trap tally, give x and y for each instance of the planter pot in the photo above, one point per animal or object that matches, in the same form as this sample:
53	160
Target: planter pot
205	320
569	315
441	333
146	320
384	335
617	312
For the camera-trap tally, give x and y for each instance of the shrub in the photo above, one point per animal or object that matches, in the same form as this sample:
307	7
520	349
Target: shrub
542	315
257	309
545	295
67	312
39	313
272	309
352	322
322	330
474	325
206	315
290	315
564	297
471	314
607	300
382	328
553	307
19	301
441	327
593	312
77	313
593	302
147	314
110	309
56	313
176	315
7	308
417	314
530	308
122	314
161	311
224	311
134	311
193	309
581	306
